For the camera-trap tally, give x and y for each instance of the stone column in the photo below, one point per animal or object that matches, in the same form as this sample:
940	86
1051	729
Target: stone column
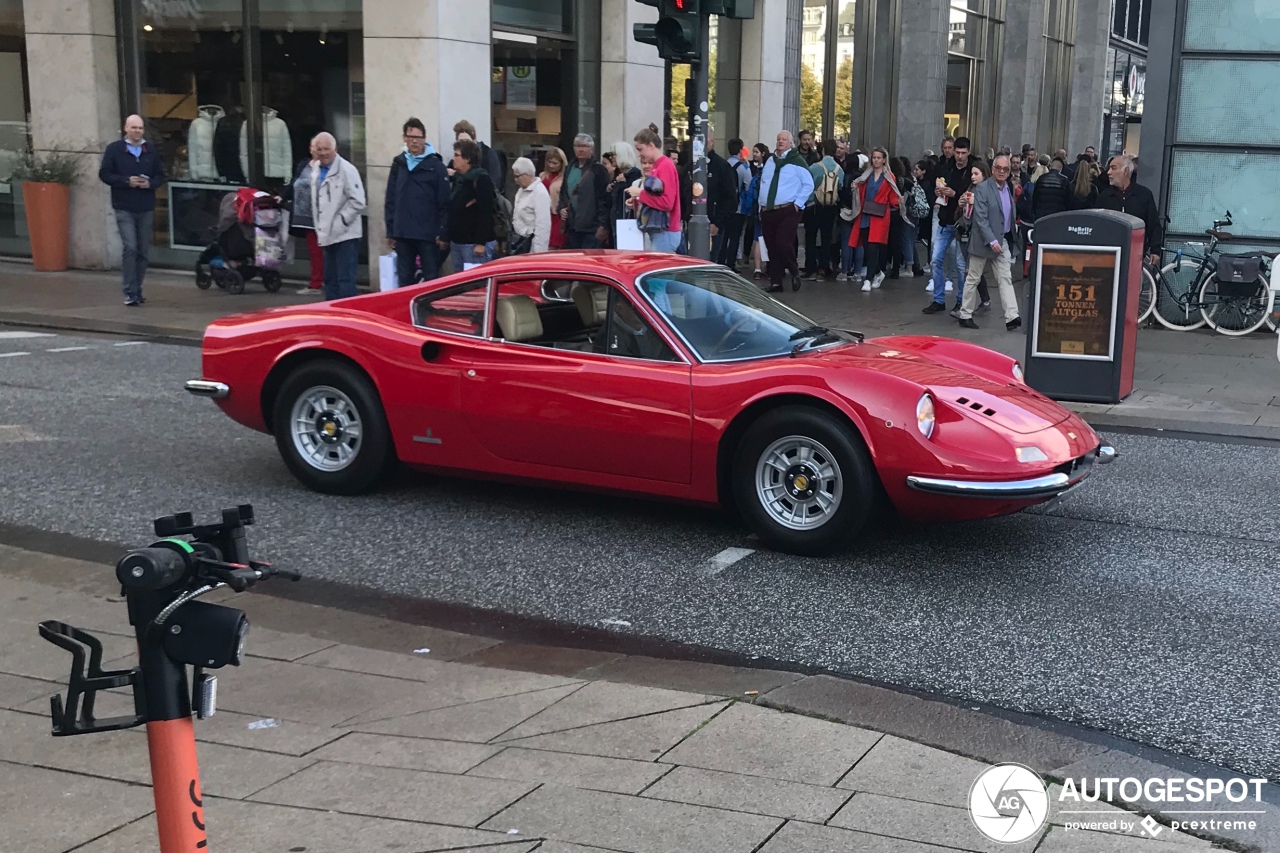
1088	74
75	108
424	59
764	73
1022	73
631	74
922	76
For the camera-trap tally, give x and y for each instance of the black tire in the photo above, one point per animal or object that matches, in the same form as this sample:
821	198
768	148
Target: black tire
841	448
373	452
271	280
204	277
233	282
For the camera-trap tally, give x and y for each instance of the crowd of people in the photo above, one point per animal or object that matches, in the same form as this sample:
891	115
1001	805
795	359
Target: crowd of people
865	217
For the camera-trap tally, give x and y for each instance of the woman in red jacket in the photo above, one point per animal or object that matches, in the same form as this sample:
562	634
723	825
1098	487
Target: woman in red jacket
875	199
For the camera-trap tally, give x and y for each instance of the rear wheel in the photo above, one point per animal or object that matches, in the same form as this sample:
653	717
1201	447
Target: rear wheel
1233	309
271	280
804	481
233	281
204	276
330	428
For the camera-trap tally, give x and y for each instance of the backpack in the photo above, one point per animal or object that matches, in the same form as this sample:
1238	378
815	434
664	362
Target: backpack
747	196
828	192
917	202
503	213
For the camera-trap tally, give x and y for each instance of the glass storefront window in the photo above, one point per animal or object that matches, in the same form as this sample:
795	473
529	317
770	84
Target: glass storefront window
530	87
15	138
1232	25
845	20
231	102
1055	93
813	64
975	48
554	16
1219	99
1205	184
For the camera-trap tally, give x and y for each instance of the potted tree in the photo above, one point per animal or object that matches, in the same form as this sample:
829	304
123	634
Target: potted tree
46	194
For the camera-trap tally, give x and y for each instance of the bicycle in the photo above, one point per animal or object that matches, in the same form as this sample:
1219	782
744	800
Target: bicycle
1194	295
174	631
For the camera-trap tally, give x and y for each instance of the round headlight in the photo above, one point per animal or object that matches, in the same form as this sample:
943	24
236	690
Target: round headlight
925	418
1017	373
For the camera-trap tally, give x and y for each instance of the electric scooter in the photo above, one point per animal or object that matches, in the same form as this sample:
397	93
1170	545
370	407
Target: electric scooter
174	631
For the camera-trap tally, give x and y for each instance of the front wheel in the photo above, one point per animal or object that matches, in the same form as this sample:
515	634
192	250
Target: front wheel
330	428
804	481
271	280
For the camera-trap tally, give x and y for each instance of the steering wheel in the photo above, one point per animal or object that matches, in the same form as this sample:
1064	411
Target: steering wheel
746	318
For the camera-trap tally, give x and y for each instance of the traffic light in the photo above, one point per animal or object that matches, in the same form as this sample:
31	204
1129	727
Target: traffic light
676	33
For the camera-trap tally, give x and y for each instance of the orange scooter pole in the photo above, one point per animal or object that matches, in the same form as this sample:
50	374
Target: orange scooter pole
175	776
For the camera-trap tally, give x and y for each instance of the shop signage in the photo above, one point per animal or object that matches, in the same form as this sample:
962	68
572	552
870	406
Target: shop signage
522	87
171	10
1079	288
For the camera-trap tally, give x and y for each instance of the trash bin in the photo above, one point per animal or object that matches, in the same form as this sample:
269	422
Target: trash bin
1086	277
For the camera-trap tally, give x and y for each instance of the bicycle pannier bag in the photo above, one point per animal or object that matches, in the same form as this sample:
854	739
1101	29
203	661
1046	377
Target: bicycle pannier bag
1238	275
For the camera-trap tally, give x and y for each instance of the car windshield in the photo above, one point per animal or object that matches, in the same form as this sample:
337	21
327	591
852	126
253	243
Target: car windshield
724	317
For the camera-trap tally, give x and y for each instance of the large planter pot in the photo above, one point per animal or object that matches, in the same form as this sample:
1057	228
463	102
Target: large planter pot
48	223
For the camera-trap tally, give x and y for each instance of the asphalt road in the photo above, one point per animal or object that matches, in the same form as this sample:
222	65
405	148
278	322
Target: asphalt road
1144	604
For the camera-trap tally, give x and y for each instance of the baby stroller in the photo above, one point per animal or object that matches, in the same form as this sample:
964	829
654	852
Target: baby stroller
253	229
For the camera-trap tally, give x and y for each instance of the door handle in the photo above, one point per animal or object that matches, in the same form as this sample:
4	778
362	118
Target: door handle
430	351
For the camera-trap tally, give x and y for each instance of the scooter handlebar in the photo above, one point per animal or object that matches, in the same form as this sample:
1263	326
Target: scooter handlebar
152	569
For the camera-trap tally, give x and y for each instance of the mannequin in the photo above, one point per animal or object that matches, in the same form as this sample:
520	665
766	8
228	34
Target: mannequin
226	146
277	147
200	144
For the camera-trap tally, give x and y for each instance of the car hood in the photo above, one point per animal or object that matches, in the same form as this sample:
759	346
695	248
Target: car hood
1013	406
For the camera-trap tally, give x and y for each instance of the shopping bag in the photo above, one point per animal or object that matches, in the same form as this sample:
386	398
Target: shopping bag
388	278
764	251
629	236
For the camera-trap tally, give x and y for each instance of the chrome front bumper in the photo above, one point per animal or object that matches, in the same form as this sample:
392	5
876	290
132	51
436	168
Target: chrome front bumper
205	388
1048	486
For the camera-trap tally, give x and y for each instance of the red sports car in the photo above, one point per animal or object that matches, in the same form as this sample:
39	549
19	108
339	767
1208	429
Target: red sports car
646	374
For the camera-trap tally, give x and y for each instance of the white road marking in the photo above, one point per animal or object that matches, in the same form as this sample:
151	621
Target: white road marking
723	560
12	354
131	344
13	336
65	349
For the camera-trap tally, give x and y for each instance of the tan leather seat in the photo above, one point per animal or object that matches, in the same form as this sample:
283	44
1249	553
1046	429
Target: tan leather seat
592	301
518	318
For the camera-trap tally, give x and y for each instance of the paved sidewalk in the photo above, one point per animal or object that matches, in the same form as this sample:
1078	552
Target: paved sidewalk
1197	381
352	736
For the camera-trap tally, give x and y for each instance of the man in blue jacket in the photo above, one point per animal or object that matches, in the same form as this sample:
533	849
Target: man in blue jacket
134	170
417	205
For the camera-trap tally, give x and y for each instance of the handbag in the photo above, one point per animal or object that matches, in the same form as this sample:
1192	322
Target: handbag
388	278
875	208
520	244
630	237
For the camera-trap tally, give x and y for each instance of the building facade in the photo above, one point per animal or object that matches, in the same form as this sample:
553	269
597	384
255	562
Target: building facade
1211	119
233	90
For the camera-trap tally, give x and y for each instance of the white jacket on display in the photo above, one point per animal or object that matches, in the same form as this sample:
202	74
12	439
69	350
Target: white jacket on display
277	146
337	203
200	144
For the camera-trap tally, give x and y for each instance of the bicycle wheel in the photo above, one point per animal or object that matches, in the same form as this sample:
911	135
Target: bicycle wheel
1147	296
1175	306
1233	310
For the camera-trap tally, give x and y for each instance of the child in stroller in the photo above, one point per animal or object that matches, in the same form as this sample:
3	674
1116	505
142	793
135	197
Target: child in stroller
253	228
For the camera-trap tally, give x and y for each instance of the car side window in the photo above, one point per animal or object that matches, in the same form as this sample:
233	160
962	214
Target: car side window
628	334
459	310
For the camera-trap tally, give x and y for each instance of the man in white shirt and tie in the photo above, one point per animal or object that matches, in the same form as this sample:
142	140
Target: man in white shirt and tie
785	187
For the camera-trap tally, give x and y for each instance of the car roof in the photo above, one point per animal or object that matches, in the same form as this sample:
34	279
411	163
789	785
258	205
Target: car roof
621	265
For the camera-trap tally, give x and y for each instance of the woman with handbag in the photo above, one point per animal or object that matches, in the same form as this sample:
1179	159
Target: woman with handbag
657	200
531	217
979	172
875	199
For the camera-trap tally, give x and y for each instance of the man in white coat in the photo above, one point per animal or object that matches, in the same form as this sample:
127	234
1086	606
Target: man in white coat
337	200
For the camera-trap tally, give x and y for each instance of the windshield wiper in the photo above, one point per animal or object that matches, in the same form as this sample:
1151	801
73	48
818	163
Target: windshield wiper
811	332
